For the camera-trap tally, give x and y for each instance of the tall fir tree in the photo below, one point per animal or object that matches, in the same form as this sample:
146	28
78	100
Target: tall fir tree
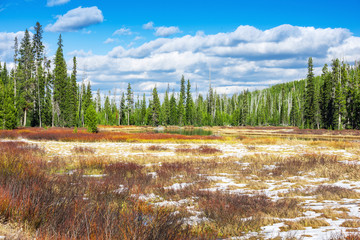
73	99
309	111
155	108
39	75
129	103
189	105
60	85
25	77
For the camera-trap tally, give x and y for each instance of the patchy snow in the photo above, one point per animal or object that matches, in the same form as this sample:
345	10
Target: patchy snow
178	186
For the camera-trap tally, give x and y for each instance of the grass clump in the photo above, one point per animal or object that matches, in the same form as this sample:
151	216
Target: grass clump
83	150
303	223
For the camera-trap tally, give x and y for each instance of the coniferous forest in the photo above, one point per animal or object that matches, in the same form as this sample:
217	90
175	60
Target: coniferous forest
39	92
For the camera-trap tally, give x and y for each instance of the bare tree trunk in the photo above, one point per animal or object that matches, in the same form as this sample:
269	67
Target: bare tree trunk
25	118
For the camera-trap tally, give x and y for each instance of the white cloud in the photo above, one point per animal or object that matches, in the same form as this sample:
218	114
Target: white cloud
148	26
7	40
123	31
51	3
109	40
166	31
76	19
80	53
246	58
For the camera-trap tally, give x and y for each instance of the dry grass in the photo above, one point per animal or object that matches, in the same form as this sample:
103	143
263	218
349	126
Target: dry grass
351	224
83	150
201	150
157	148
67	134
303	223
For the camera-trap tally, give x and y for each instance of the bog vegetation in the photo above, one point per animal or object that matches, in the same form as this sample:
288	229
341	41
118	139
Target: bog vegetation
39	92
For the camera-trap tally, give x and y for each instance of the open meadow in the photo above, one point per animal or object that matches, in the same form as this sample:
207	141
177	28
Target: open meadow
134	183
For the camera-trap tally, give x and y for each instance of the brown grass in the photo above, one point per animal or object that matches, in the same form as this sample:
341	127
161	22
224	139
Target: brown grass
83	150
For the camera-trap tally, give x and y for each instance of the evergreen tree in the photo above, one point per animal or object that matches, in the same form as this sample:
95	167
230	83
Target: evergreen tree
72	96
60	86
39	75
129	103
189	105
91	119
9	108
155	108
326	99
143	111
166	108
122	110
309	114
339	97
173	110
181	108
24	74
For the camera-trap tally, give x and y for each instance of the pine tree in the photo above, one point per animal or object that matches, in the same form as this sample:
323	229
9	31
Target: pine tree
309	113
129	103
181	103
189	105
39	74
122	110
72	92
143	110
60	85
9	108
339	97
24	74
155	108
91	119
166	108
173	110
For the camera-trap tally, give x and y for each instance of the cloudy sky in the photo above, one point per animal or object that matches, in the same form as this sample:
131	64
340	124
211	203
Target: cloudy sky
246	44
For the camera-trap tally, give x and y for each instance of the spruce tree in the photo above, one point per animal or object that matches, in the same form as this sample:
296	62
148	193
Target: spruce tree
129	103
166	108
309	111
25	75
181	103
173	110
91	119
9	108
60	85
143	110
155	108
39	74
73	99
189	105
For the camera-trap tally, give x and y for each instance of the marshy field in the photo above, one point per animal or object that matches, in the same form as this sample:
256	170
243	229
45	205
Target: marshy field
145	183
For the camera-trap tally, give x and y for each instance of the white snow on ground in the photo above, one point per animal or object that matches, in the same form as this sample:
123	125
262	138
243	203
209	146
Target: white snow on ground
225	181
178	186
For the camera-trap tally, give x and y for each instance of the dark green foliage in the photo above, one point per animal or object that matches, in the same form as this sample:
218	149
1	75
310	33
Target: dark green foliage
155	108
33	94
9	108
189	105
60	86
309	112
91	119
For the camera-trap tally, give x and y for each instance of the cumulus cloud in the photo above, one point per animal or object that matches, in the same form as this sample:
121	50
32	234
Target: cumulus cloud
6	45
76	19
109	40
123	31
148	26
51	3
166	31
246	58
80	53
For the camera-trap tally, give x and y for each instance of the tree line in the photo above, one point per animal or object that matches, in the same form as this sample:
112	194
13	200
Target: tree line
40	92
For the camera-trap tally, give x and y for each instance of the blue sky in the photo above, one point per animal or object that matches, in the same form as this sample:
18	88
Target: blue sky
248	44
